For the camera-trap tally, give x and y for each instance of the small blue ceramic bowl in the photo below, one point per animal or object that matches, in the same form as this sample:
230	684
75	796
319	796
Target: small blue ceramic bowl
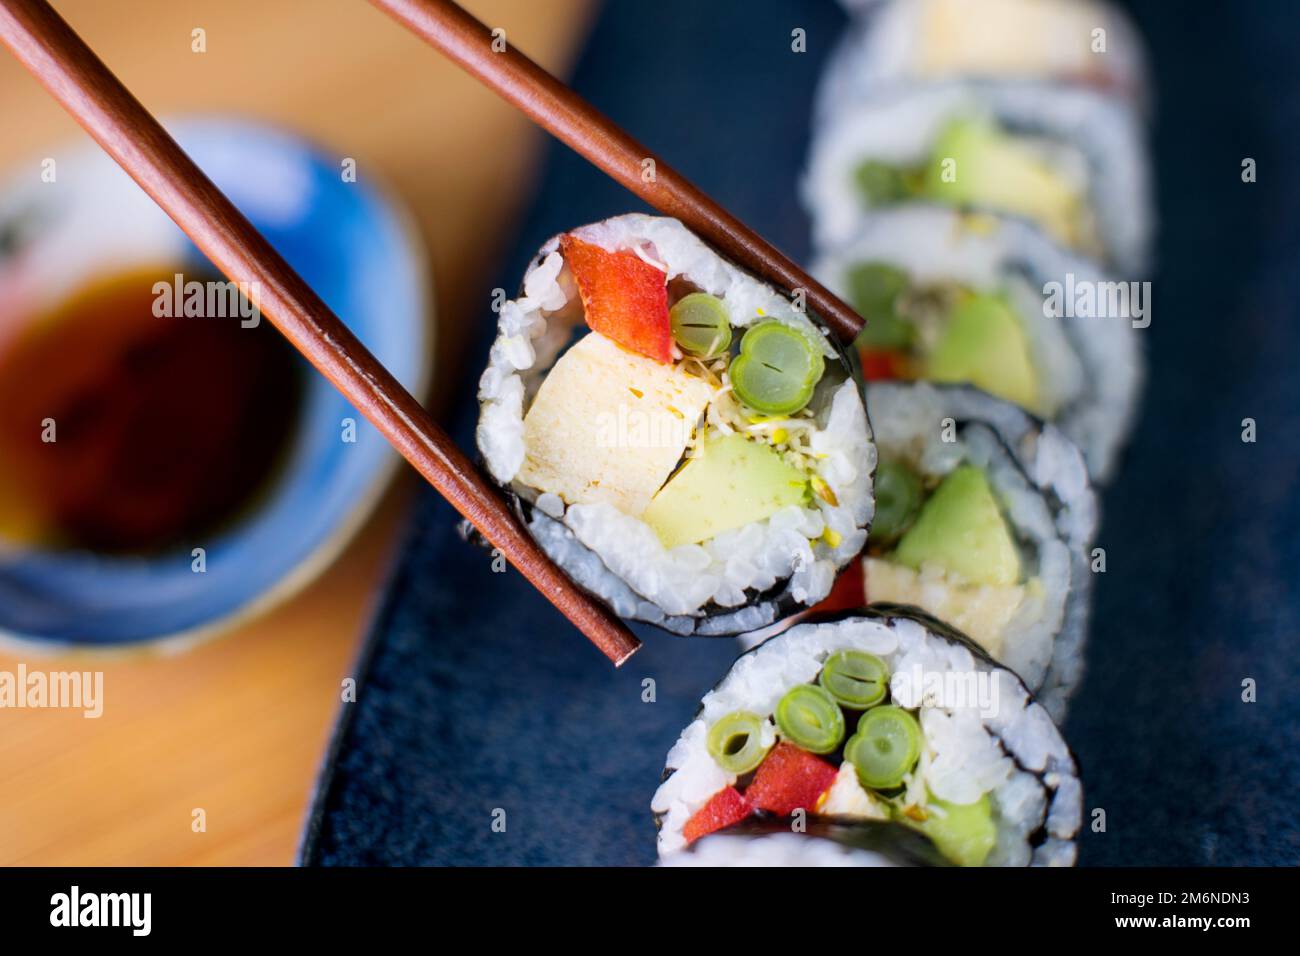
353	245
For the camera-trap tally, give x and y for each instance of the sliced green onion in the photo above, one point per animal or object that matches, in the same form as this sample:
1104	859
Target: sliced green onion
701	325
736	742
857	680
885	748
874	288
880	184
808	717
777	368
898	500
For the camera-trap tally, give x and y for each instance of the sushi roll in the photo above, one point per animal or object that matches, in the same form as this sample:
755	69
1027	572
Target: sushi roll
883	718
685	442
984	520
1068	160
830	843
910	42
961	299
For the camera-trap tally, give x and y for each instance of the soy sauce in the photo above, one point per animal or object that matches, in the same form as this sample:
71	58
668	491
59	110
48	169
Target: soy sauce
125	432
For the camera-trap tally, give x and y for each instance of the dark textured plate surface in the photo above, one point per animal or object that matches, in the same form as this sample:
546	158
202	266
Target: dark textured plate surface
479	698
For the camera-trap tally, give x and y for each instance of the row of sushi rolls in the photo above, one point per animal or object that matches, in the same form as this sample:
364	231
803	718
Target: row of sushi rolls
899	529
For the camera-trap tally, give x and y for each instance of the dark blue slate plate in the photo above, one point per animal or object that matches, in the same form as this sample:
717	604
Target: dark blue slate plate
479	698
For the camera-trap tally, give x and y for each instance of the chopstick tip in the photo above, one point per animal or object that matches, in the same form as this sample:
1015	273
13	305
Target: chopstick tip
621	656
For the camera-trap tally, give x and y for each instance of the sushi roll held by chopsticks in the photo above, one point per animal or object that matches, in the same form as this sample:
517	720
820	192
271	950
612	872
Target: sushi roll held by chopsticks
683	440
886	723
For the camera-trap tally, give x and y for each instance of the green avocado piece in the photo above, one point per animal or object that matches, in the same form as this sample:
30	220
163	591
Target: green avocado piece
730	482
990	170
983	343
961	529
964	833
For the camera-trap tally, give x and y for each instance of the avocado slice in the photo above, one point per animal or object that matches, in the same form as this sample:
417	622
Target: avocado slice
961	529
730	482
993	171
964	833
984	344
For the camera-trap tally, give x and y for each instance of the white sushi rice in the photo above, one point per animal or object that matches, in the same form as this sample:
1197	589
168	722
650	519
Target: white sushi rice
632	570
1093	140
1010	750
775	850
1040	478
1089	368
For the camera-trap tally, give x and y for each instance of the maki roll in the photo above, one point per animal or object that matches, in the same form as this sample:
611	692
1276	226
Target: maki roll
884	717
961	299
920	41
984	520
680	438
1068	160
827	842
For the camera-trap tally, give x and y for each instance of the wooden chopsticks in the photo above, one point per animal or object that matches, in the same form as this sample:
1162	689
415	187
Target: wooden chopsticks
575	122
74	76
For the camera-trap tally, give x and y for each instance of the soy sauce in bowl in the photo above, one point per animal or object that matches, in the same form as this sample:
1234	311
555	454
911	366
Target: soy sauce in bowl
123	431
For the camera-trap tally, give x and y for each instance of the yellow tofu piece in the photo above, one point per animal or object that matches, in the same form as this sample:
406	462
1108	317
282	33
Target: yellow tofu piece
980	611
608	425
847	798
1010	38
